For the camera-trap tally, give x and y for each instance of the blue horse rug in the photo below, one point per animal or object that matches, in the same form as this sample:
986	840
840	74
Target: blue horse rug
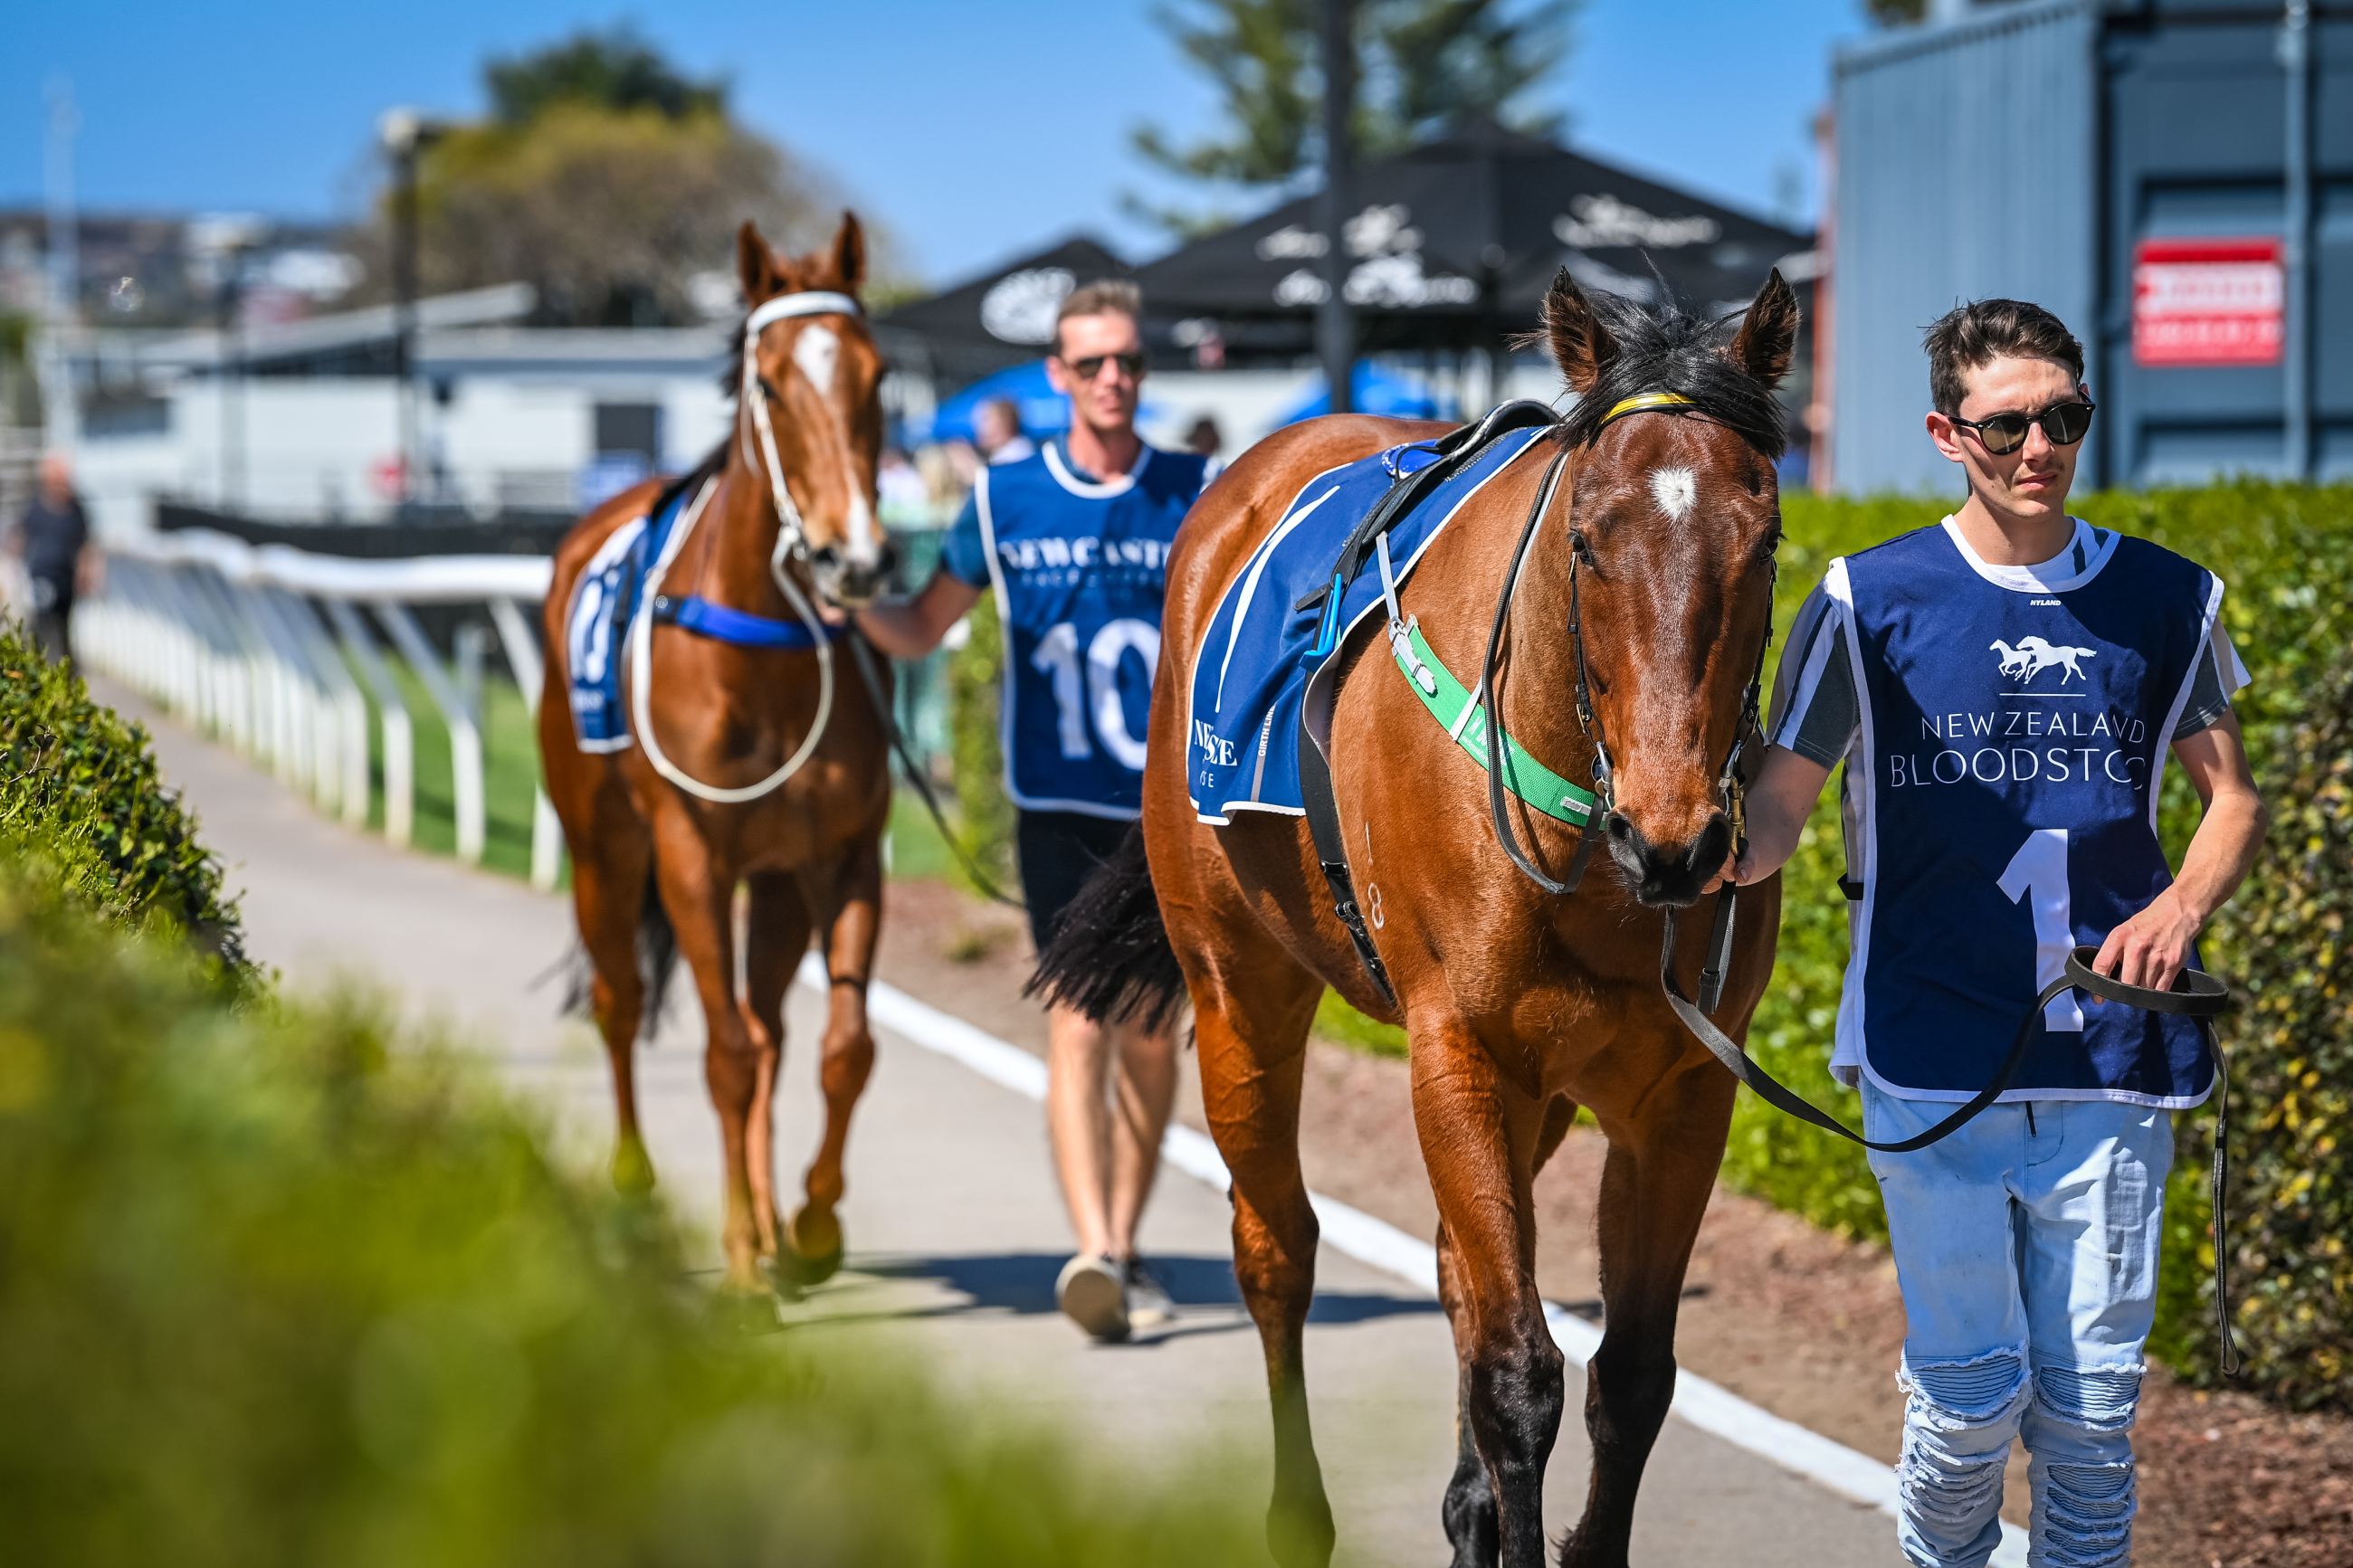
1264	645
606	609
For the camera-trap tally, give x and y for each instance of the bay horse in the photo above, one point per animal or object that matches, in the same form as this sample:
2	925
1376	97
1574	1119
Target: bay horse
1648	580
753	766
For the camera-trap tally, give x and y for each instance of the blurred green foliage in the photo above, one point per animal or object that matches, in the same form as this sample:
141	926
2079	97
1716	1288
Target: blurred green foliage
975	674
80	793
276	1291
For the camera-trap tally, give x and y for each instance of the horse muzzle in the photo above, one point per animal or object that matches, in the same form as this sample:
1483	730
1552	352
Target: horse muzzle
1667	874
849	581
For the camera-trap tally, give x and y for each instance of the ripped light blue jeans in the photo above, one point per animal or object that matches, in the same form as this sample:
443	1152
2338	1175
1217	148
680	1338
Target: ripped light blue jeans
2026	1245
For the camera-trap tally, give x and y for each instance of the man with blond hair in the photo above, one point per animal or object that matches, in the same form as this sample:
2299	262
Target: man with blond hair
1074	540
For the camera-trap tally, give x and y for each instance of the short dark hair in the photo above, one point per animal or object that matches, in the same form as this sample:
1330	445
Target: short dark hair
1983	330
1103	297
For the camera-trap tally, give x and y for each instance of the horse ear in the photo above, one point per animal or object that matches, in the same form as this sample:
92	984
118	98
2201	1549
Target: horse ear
1769	332
755	265
1581	345
849	254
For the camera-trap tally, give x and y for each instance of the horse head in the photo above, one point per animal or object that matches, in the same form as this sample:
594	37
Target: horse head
809	415
1673	520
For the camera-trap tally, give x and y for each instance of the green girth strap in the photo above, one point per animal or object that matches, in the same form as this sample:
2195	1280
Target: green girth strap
1446	697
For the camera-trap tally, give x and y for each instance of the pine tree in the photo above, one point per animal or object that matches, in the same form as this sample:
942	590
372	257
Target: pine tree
1423	66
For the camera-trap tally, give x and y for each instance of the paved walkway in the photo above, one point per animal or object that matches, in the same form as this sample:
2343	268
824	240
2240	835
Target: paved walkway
954	1229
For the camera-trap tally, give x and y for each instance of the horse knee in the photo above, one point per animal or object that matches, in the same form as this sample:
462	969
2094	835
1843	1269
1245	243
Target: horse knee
1959	1419
847	1061
1517	1396
1628	1387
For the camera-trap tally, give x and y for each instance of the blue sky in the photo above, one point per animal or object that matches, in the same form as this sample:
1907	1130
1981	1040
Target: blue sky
973	130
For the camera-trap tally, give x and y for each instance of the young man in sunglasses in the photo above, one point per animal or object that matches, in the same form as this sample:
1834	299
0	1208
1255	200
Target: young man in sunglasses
2004	689
1074	539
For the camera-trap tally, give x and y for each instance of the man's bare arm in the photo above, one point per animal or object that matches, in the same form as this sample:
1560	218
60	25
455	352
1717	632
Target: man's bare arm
2150	948
913	626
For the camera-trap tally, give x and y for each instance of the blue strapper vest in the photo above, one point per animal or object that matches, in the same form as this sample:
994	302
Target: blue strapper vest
2014	729
1080	568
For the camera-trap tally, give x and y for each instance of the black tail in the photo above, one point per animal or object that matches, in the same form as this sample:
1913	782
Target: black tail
657	962
1109	957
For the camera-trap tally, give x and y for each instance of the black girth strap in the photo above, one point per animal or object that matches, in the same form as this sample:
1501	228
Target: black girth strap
1331	856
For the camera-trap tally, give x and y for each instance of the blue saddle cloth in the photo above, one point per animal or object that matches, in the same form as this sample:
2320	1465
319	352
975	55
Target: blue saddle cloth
1261	651
605	604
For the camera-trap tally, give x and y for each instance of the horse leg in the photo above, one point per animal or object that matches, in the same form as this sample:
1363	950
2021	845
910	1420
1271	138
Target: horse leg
776	934
854	924
701	901
1654	1188
1250	1028
1469	1508
1480	1136
608	894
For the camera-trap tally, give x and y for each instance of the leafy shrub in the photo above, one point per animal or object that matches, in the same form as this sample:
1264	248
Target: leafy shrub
975	684
2291	1052
273	1291
78	788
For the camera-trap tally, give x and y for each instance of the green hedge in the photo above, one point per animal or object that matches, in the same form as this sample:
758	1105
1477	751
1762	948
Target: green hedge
975	678
79	791
276	1290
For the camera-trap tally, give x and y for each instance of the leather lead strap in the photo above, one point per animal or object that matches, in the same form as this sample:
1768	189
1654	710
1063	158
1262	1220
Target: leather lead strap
2202	997
863	658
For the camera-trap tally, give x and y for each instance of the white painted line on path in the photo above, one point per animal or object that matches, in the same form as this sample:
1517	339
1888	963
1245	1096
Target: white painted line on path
1377	1244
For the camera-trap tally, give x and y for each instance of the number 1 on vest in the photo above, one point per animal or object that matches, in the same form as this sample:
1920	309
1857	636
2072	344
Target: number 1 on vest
2040	869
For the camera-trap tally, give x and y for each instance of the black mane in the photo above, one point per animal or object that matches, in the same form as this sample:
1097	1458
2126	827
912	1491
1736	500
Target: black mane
1666	348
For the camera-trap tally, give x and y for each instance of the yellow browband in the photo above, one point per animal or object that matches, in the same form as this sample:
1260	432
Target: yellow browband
1641	402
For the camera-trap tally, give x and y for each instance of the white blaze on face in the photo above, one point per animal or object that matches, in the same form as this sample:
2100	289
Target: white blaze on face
1677	491
816	352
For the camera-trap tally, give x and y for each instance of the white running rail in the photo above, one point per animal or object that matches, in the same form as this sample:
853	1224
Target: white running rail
267	647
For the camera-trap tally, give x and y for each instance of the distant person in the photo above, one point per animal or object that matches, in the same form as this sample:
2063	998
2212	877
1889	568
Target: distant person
1075	539
1205	439
903	499
52	540
997	431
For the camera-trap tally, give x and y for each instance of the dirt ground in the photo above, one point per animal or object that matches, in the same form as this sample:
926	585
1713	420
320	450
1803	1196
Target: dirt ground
1796	1320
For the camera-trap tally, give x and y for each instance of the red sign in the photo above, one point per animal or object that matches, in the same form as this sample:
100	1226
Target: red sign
2207	301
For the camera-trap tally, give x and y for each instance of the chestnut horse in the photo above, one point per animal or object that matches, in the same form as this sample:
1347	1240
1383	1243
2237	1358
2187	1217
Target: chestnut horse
1521	1005
752	766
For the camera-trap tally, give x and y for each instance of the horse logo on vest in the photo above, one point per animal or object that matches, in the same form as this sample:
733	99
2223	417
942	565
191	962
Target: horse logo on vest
2032	656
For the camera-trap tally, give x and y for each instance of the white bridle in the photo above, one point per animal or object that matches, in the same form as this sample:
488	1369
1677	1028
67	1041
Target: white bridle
792	538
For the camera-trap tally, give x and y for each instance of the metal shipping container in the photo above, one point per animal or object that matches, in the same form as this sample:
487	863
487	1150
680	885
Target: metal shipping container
2151	171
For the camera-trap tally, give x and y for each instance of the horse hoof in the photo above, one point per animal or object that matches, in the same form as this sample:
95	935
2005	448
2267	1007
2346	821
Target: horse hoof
813	1247
633	1171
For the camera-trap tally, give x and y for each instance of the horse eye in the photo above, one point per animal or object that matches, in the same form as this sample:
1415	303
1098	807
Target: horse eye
1580	546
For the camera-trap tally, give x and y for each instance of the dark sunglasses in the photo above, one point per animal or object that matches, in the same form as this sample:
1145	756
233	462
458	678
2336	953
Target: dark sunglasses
1130	364
2005	432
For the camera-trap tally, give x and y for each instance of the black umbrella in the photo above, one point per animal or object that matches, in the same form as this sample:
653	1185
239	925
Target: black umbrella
1455	243
1004	317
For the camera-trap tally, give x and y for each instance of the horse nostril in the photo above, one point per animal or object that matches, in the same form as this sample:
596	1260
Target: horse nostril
1618	827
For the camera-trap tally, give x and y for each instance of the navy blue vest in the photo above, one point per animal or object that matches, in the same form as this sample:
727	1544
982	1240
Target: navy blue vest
1081	571
2014	728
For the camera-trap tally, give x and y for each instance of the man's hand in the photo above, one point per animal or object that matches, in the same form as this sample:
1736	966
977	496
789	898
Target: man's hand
2150	948
1732	873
